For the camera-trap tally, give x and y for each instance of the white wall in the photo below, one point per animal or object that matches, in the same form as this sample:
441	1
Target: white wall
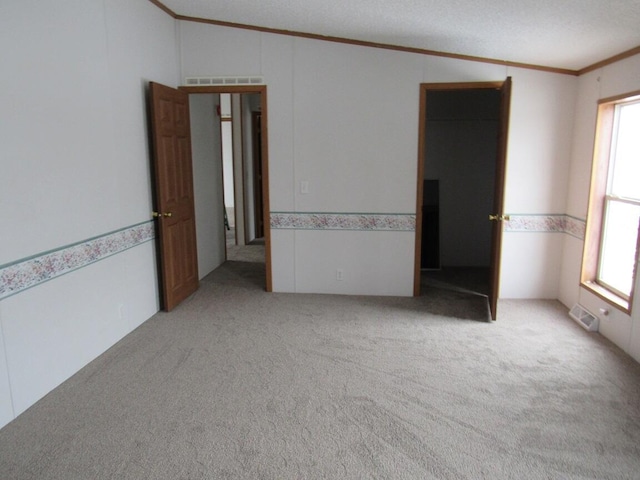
6	402
634	338
75	165
227	159
345	119
538	158
207	181
616	79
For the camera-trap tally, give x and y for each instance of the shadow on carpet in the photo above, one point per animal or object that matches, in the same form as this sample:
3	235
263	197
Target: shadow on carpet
437	298
455	293
240	274
455	304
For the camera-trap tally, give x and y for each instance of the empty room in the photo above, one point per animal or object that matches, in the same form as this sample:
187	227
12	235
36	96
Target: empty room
319	239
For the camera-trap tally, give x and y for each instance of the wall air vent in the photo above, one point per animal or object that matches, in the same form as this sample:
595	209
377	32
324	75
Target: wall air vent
222	81
585	319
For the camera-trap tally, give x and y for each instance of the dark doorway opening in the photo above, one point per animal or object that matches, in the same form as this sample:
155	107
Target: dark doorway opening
462	155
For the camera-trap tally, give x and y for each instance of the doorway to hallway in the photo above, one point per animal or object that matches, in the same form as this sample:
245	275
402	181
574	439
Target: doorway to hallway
231	122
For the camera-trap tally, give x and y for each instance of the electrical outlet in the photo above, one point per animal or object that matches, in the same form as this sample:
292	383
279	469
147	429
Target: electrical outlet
339	275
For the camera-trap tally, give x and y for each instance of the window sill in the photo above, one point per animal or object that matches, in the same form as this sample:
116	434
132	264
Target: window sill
608	296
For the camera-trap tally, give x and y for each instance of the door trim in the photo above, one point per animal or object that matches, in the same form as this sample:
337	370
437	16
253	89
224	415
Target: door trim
262	90
499	189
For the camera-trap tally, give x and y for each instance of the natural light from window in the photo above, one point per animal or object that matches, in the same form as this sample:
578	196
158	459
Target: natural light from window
622	203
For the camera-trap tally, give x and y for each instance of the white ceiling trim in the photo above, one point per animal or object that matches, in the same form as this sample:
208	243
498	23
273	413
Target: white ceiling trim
568	36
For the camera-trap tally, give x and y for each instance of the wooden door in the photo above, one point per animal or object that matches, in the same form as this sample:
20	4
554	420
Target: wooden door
498	199
173	175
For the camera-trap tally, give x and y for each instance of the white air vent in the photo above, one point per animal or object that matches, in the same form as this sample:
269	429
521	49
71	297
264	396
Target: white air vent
585	319
221	81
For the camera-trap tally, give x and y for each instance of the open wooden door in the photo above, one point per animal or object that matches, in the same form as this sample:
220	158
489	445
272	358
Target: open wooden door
175	215
498	215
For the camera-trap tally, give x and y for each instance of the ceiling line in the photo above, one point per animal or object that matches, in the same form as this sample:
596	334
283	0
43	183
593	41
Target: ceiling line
385	46
421	51
163	7
608	61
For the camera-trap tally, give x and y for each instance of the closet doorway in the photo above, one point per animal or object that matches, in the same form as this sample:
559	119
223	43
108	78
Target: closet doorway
460	188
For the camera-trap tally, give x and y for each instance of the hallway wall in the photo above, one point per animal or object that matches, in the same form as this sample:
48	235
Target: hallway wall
207	181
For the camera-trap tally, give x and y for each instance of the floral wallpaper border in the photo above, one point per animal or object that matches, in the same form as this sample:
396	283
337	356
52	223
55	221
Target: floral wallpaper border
551	223
546	224
26	273
344	221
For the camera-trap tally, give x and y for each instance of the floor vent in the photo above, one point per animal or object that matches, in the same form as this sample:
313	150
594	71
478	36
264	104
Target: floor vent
585	319
221	81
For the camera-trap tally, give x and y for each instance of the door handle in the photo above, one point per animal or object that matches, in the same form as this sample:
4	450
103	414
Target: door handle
497	218
157	214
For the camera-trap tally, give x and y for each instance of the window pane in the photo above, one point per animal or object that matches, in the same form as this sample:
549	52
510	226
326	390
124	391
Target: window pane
618	252
626	171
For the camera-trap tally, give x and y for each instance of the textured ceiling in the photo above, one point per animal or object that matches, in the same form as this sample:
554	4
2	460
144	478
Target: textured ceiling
569	34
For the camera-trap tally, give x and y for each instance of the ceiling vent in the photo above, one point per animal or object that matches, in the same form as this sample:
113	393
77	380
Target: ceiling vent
585	319
222	81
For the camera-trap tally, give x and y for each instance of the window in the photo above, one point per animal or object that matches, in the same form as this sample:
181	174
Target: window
613	222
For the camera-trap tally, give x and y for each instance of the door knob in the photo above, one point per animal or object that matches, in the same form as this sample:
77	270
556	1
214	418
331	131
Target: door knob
167	214
493	218
499	217
157	215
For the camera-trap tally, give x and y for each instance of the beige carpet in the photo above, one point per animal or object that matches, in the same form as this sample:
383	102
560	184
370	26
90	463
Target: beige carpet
241	384
254	252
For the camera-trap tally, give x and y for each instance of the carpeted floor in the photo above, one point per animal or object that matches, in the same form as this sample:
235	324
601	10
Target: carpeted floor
474	280
237	383
254	252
